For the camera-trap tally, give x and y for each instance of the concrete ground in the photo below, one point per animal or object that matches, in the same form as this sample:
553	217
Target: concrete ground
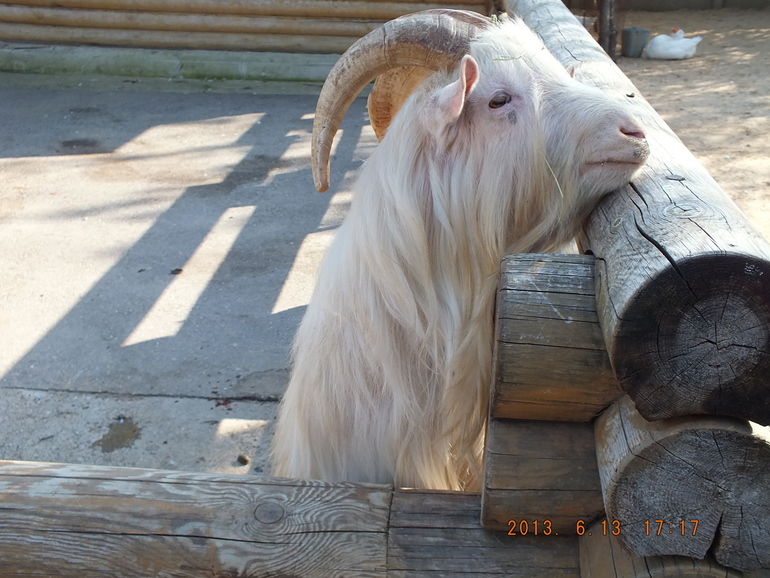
160	240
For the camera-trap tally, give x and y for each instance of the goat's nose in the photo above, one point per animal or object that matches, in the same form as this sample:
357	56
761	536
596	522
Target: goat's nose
633	131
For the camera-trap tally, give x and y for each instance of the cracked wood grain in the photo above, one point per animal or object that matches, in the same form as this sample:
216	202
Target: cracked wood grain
69	520
659	478
683	286
602	556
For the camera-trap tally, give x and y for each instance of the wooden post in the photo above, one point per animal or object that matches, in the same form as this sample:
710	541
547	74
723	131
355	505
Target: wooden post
683	281
540	478
551	361
608	33
686	486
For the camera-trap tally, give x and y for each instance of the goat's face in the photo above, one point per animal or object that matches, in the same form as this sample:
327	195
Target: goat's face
511	102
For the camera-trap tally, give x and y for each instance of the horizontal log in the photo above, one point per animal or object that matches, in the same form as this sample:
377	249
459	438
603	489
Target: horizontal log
683	282
540	477
550	362
602	556
686	486
76	521
68	520
175	40
111	19
296	8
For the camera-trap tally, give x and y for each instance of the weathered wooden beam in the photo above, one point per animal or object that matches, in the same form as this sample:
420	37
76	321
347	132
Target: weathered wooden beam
683	279
313	26
551	362
174	40
174	22
540	478
297	8
70	520
687	486
602	556
75	521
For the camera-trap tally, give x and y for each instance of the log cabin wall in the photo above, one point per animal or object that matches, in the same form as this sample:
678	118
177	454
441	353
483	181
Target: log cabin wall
304	26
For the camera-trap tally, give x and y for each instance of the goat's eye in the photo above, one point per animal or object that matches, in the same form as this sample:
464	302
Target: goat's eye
499	100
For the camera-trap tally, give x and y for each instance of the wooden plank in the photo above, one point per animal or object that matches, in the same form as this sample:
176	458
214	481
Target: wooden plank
309	26
540	330
296	8
231	24
683	282
68	520
540	472
551	305
175	40
602	556
438	534
687	486
550	358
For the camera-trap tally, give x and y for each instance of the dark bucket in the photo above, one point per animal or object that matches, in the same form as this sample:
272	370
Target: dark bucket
633	41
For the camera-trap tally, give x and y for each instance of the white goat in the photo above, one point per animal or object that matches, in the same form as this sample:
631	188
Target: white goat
392	362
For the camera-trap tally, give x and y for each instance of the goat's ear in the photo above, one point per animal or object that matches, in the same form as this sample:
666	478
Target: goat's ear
450	100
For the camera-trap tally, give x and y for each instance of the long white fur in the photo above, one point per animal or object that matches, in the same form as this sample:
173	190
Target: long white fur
392	362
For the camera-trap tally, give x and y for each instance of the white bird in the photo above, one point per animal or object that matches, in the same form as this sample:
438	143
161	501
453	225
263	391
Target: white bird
672	46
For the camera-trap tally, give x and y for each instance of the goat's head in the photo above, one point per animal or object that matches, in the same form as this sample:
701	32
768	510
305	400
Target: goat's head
497	109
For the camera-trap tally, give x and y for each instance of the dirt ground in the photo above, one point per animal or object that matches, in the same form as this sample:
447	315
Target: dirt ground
718	102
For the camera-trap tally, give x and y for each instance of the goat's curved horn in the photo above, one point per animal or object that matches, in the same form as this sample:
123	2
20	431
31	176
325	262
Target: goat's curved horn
432	39
390	91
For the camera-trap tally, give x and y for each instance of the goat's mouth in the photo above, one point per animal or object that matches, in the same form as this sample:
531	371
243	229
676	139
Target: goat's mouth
630	157
630	163
636	158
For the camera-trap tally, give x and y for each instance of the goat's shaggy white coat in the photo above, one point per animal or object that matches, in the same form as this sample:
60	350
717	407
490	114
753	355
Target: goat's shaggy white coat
392	362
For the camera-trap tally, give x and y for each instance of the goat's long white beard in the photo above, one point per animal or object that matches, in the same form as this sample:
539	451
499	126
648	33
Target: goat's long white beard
386	402
393	360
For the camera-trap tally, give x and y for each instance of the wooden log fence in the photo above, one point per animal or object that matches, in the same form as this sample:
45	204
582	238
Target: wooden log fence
683	303
686	486
683	282
95	522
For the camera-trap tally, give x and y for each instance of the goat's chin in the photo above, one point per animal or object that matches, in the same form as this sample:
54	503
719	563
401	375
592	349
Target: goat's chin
609	175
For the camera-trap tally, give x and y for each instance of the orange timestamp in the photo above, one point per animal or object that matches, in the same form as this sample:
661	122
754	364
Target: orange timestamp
606	527
659	527
545	527
531	527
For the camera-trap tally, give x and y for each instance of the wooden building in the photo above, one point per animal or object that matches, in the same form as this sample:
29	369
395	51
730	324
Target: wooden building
305	26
